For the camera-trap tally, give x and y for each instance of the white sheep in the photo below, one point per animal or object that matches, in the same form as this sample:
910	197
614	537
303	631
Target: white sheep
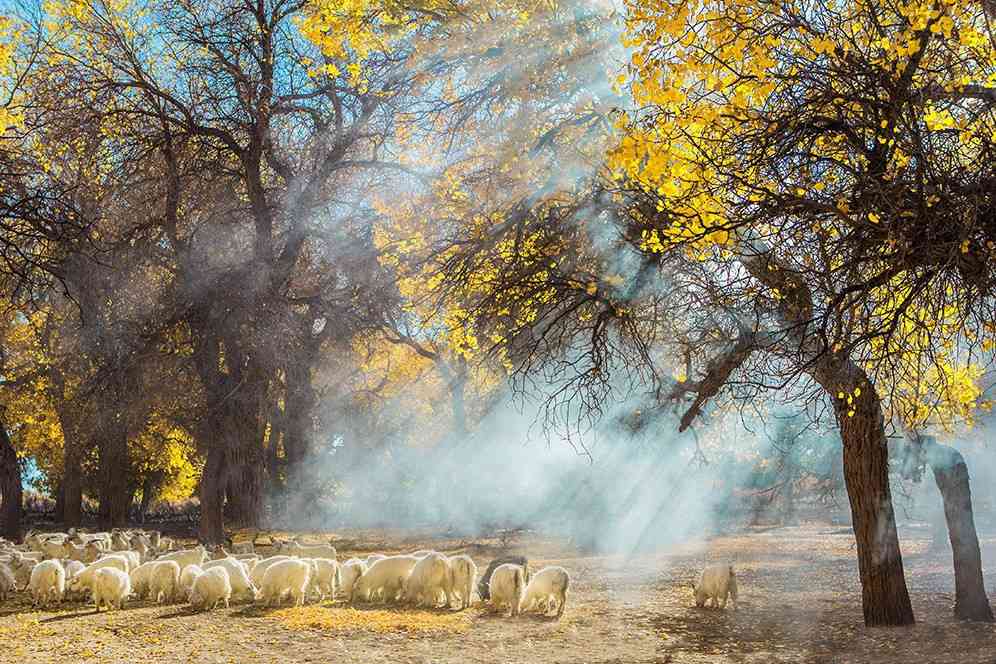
110	587
187	576
506	586
85	553
47	583
132	557
349	572
73	569
194	556
52	548
716	583
385	578
8	584
21	566
85	579
464	572
547	586
430	577
238	576
210	588
324	575
295	548
282	577
259	569
141	579
164	581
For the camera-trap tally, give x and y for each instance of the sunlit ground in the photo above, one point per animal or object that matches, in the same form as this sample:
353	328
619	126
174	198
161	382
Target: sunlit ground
800	602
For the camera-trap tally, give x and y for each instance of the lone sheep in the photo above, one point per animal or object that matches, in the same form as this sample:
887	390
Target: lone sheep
716	583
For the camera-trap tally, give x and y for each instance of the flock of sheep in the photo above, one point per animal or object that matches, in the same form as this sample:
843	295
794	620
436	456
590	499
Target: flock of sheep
111	567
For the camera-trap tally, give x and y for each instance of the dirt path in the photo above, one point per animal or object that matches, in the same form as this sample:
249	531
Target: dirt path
800	603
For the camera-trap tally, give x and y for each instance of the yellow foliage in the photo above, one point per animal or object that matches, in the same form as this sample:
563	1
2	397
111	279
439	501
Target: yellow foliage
347	619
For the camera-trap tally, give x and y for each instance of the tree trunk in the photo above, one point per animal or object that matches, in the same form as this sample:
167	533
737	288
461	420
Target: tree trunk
212	495
72	488
299	408
884	596
951	475
10	487
114	471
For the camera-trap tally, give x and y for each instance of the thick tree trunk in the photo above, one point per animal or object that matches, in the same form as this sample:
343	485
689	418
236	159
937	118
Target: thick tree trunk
10	487
72	488
212	495
114	470
299	408
243	440
884	596
951	475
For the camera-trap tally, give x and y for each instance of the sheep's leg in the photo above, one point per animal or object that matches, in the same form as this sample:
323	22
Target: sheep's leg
722	603
561	604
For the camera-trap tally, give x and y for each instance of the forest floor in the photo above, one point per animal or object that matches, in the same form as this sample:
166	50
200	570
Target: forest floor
800	602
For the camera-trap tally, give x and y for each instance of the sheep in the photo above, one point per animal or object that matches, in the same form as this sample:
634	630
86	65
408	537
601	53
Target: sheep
86	579
243	547
256	576
164	581
505	587
85	553
385	578
484	583
119	542
547	585
430	577
8	584
132	557
140	579
464	572
349	572
194	556
47	583
51	549
242	586
210	588
295	548
374	557
73	569
324	574
716	583
111	588
285	576
21	566
187	576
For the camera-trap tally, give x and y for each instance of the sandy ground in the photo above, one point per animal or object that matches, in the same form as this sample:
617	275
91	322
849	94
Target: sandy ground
800	602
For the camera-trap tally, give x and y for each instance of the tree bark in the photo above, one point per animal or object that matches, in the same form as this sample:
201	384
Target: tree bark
951	475
299	407
72	487
884	596
114	472
212	495
10	487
